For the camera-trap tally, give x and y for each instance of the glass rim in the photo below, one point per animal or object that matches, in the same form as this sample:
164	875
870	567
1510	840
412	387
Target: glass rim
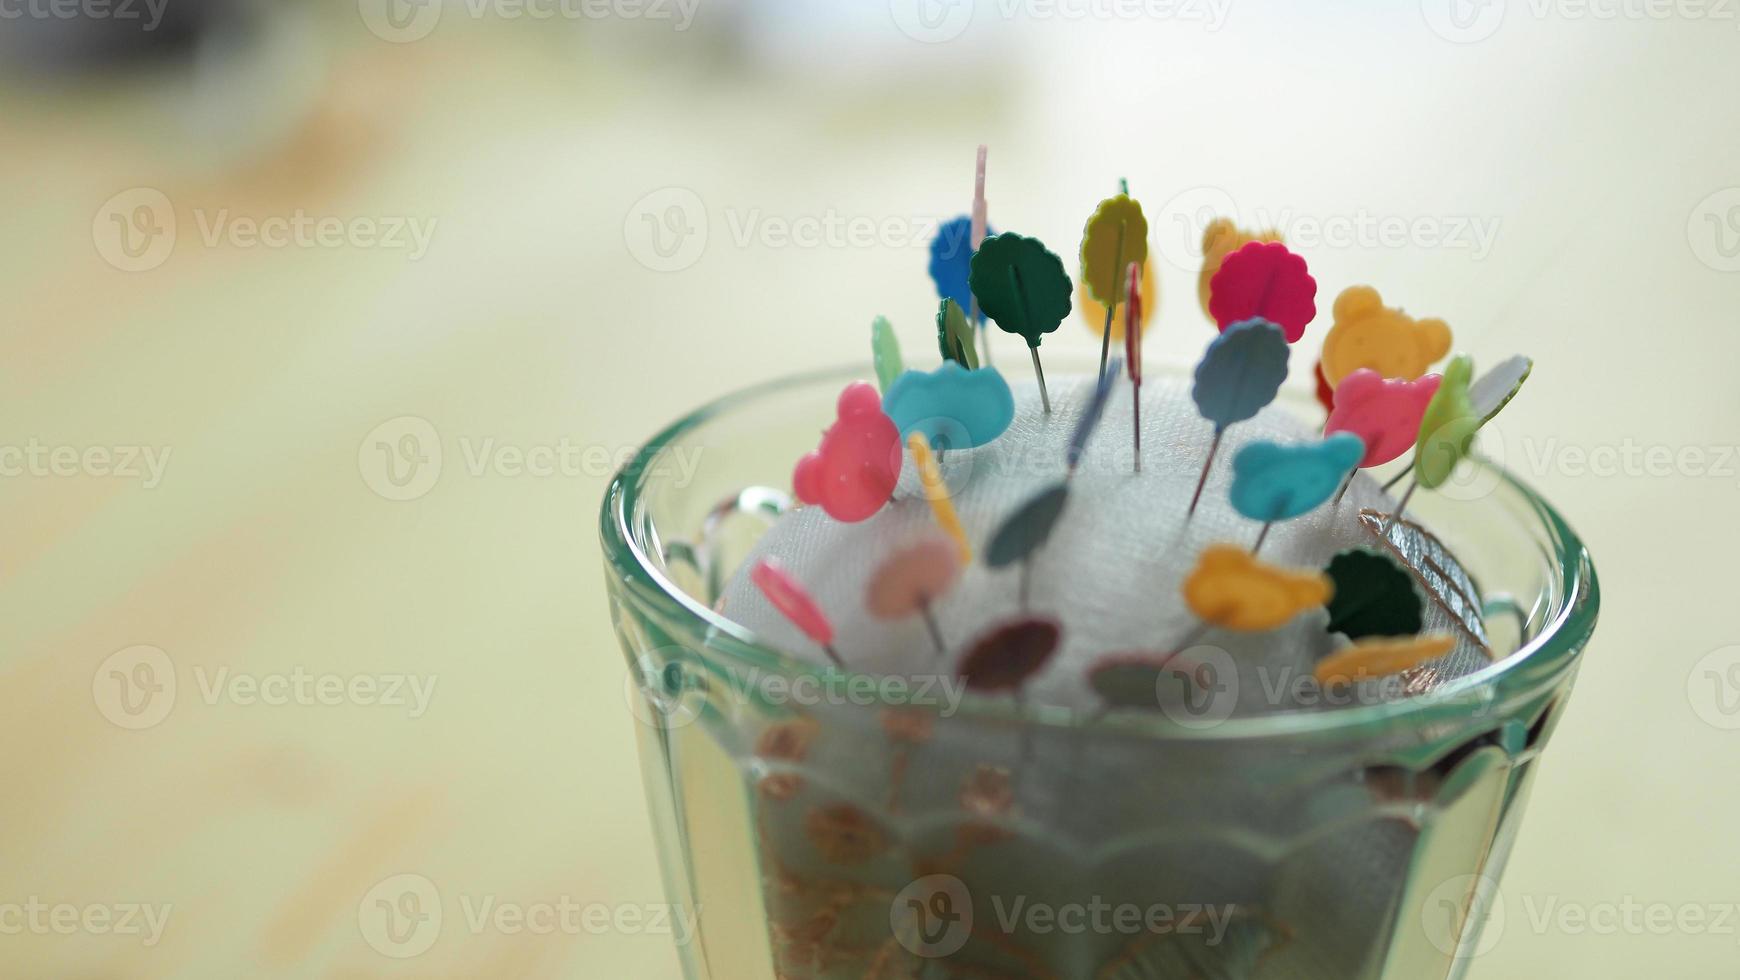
1531	668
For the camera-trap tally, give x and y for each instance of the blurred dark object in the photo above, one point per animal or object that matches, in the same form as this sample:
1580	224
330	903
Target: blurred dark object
70	37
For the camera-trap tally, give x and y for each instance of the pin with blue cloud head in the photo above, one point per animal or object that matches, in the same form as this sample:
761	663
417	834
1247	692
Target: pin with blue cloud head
1272	482
1116	235
953	407
1240	374
951	253
1022	285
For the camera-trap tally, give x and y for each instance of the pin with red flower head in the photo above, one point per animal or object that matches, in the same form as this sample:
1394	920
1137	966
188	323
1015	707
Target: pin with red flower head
795	603
1264	279
1133	357
911	580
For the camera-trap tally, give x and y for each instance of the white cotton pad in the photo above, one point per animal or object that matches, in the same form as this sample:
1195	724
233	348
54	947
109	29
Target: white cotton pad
1112	571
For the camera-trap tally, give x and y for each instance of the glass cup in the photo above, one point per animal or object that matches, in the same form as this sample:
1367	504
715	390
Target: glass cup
822	825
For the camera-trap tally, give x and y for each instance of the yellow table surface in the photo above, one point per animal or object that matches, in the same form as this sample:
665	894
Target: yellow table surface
1601	154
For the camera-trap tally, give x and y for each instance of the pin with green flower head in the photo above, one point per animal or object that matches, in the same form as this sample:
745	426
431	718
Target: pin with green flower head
1446	433
1022	285
1116	236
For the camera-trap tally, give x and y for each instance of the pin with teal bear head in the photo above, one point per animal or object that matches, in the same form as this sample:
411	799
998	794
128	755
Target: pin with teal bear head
953	407
1272	482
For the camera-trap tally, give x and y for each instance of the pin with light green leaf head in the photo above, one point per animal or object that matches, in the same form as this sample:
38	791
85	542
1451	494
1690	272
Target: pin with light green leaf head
1446	432
1022	285
1116	235
954	335
885	353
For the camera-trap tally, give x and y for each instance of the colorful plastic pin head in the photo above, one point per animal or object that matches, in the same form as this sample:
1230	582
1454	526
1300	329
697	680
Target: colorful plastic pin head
1264	279
1272	482
1368	334
1374	596
1231	589
1129	680
1027	530
954	335
1093	312
912	578
793	602
1010	655
951	257
1385	413
1325	393
1116	235
1220	239
858	464
885	353
1021	284
1492	391
955	408
1135	312
1241	372
1448	428
937	492
1090	416
1372	659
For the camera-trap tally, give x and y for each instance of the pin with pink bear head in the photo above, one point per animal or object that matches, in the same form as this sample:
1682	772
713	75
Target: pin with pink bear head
1385	412
854	471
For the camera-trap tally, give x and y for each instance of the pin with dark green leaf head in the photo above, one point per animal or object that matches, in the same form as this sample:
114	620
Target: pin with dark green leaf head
1022	285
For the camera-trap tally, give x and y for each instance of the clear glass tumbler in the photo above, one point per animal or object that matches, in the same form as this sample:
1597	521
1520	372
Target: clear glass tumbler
818	833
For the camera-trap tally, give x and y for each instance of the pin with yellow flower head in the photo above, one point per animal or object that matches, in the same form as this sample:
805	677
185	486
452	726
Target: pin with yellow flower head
1116	236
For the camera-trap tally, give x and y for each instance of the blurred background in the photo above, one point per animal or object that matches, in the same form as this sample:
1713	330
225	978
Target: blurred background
325	324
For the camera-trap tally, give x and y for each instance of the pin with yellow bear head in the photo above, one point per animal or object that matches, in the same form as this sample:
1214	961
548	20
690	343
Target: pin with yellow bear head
1235	590
1368	334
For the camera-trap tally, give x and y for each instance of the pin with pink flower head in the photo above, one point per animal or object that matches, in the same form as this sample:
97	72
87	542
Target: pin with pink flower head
911	580
854	471
1384	413
1264	279
794	602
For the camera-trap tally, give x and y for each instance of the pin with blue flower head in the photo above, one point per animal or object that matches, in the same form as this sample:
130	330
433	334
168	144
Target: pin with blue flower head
1022	285
951	254
1272	482
1239	375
